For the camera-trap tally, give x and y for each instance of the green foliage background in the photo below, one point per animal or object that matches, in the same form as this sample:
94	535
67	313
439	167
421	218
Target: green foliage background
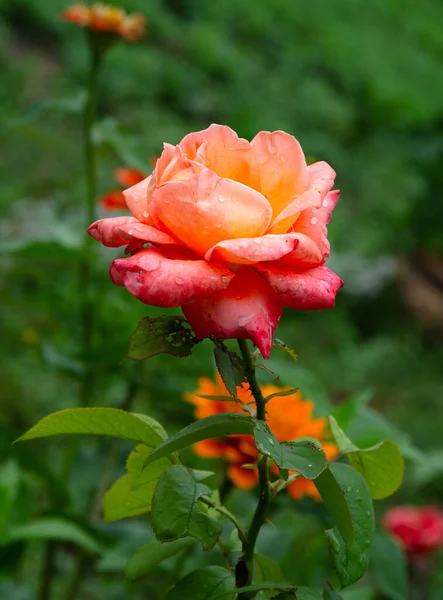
360	85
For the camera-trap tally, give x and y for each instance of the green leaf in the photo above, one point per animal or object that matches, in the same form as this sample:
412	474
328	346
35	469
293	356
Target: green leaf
10	476
110	422
207	583
132	494
303	455
330	594
230	367
154	553
334	499
388	567
281	393
213	426
350	560
168	334
269	586
267	569
54	528
381	465
346	412
176	512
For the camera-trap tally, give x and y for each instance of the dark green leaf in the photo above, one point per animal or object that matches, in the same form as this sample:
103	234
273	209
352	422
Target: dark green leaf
207	583
154	553
269	586
131	495
214	426
381	465
304	455
110	422
350	560
176	512
168	334
267	569
230	367
54	528
334	499
388	567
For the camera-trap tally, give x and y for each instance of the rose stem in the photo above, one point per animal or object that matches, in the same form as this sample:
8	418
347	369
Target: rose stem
245	565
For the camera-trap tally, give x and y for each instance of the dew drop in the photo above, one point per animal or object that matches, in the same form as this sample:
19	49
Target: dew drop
130	231
221	198
309	464
256	241
368	514
271	146
179	280
283	158
218	225
225	278
349	489
271	441
314	221
145	214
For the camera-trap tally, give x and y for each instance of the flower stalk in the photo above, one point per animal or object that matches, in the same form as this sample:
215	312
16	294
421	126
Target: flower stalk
245	565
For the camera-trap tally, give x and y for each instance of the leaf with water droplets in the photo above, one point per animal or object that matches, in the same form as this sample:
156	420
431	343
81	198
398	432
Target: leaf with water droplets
381	465
168	334
304	455
351	559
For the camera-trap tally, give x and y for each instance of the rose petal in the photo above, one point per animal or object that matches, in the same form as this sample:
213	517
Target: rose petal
321	177
168	278
146	233
247	309
208	209
173	166
282	167
107	231
266	248
285	220
136	198
220	149
314	289
312	222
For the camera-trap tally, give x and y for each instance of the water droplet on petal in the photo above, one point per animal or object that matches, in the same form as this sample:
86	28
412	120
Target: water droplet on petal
179	280
218	225
283	158
130	231
145	214
314	221
271	146
325	202
221	198
256	241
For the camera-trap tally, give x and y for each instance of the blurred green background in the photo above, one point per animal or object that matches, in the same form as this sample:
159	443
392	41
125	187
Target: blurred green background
360	85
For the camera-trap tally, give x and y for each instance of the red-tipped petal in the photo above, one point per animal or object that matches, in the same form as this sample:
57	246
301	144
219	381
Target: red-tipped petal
146	233
107	231
266	248
321	177
247	309
312	222
314	289
168	278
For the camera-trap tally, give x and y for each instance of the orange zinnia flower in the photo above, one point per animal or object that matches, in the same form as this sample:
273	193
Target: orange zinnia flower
115	200
101	17
289	417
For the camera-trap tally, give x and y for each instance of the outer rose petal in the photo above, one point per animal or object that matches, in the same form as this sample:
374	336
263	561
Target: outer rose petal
247	309
145	233
136	198
220	149
314	289
321	177
168	278
282	166
208	209
107	231
266	248
312	222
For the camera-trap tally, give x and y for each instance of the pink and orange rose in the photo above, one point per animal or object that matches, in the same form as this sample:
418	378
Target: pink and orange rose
230	230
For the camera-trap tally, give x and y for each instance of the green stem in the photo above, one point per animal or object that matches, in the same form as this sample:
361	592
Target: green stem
44	591
245	565
224	511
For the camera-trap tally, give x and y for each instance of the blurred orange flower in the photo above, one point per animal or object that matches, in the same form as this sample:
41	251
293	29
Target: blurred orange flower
101	17
289	417
114	200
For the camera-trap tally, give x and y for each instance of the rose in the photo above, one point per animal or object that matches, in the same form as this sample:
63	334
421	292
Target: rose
235	232
419	530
